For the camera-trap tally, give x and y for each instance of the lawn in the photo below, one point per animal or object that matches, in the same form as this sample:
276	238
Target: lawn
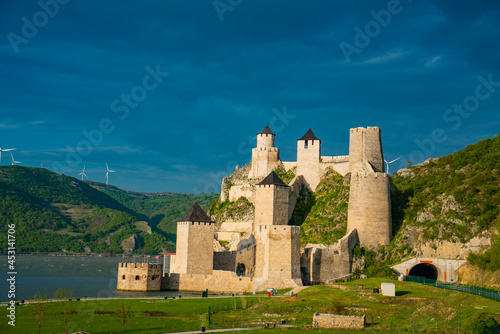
416	307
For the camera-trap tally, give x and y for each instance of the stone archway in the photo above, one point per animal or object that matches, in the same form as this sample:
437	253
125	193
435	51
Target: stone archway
240	269
425	270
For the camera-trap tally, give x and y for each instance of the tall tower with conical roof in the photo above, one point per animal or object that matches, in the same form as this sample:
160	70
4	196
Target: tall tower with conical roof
195	243
265	157
309	158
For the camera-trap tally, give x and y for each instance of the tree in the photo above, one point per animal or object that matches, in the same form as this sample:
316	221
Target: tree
38	305
64	297
124	315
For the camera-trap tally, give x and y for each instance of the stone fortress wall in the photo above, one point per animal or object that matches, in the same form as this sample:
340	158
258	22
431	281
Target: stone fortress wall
232	260
322	264
270	254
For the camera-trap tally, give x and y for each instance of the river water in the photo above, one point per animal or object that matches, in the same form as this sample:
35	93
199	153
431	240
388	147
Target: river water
86	276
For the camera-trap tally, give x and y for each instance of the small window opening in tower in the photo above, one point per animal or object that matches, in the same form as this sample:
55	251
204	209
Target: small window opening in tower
305	145
123	277
137	277
240	269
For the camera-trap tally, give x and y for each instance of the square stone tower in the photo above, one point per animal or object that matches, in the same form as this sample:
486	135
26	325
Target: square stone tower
309	158
265	157
271	201
277	254
195	243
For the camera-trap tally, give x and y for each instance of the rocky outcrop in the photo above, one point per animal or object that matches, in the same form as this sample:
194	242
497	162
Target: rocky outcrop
130	244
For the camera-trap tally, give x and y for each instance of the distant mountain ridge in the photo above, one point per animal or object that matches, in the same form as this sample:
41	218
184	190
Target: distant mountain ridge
55	213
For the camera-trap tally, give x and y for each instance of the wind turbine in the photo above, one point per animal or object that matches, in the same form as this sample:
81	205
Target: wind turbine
14	161
108	171
5	150
388	163
83	173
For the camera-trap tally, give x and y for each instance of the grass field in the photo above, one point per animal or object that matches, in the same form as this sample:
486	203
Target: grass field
417	308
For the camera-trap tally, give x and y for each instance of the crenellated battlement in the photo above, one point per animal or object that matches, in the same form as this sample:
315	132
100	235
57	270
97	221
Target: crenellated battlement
138	265
268	149
196	223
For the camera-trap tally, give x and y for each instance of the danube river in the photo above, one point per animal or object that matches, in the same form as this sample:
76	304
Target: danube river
87	276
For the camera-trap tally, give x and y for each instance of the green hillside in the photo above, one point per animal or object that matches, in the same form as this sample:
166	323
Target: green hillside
322	215
162	210
54	213
454	198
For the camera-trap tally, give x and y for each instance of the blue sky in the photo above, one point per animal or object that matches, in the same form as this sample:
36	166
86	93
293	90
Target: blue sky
171	93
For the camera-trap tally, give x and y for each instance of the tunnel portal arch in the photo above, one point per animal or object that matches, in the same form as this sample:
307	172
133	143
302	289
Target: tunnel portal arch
426	270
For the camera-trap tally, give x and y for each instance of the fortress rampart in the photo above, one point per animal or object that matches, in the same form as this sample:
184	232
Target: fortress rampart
219	281
242	262
295	186
323	264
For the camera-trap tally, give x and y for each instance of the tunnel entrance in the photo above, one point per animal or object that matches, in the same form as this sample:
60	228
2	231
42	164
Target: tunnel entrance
240	269
426	270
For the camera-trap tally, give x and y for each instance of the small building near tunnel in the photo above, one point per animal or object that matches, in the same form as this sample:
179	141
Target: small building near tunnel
432	268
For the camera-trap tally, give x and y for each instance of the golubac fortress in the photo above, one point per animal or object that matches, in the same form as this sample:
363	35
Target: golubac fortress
265	251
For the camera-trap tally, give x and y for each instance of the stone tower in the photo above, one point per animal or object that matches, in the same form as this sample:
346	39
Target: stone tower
369	195
139	276
195	243
365	145
277	254
265	157
309	158
271	201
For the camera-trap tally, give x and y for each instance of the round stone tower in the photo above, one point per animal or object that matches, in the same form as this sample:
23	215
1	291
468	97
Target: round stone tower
265	138
265	157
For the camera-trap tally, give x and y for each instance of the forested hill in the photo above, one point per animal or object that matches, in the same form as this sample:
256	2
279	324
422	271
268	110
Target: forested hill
162	209
454	198
54	213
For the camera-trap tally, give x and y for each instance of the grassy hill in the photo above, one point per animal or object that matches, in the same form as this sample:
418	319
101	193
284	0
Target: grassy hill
54	212
322	215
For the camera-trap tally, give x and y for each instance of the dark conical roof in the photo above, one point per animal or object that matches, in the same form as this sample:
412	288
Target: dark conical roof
266	130
196	214
309	135
274	179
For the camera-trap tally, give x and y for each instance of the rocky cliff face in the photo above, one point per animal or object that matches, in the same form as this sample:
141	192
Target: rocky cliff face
448	207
